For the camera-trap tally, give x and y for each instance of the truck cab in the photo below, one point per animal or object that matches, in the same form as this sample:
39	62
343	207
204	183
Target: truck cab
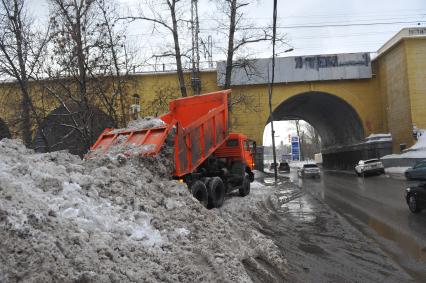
238	151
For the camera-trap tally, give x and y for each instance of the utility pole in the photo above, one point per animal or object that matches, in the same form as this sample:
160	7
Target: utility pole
195	29
274	32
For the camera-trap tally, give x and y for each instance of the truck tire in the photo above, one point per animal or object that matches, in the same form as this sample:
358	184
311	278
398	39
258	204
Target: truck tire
216	192
245	187
199	191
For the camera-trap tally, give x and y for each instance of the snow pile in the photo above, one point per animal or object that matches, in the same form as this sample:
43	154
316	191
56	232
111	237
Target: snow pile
113	220
120	147
418	150
378	138
396	171
142	123
421	141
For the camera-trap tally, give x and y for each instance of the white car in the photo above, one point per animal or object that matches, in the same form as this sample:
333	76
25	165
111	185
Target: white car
309	170
370	166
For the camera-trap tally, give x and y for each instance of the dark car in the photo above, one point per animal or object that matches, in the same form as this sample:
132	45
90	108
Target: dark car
272	166
418	172
284	167
416	197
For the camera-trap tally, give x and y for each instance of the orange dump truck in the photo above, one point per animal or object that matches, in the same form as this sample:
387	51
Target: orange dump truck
211	161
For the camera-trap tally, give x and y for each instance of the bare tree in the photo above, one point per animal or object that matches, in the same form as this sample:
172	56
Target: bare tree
313	137
21	50
160	104
240	34
114	75
152	12
84	66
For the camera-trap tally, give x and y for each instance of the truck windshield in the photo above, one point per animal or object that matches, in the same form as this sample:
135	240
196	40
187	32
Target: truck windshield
250	146
232	143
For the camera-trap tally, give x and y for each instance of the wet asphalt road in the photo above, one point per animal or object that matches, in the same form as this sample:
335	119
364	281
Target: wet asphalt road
376	206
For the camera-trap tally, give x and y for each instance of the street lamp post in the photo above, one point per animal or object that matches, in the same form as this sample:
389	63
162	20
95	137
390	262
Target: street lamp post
274	32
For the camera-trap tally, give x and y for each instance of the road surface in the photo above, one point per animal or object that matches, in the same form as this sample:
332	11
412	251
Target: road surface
376	206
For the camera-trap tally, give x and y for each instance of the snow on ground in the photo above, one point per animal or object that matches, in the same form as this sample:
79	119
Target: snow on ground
122	219
396	170
299	164
418	150
378	138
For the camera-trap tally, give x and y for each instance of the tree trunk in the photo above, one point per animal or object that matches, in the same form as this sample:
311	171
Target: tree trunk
230	55
25	98
177	50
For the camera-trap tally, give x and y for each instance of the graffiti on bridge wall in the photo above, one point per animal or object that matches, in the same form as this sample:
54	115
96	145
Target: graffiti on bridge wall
328	61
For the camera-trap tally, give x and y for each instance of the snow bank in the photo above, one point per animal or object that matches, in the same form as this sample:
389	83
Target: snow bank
396	170
114	220
418	150
378	138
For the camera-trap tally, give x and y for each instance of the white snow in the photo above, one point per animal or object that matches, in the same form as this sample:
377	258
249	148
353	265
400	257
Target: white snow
142	123
396	170
378	138
421	142
418	150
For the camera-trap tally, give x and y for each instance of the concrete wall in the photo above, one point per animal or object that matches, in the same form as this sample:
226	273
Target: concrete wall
402	76
347	157
416	71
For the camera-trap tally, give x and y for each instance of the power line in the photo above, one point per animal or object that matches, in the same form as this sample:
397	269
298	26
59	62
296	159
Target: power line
382	18
324	25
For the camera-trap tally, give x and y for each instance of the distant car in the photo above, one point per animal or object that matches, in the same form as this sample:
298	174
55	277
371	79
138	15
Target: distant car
370	166
418	172
284	167
272	166
309	170
416	197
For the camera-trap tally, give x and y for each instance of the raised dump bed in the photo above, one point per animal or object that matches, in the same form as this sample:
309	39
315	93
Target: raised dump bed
200	125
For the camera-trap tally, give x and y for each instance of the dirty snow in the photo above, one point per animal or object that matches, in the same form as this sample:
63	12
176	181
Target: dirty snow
63	219
142	123
418	150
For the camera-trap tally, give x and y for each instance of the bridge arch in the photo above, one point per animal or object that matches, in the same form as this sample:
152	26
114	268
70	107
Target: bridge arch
337	122
4	130
62	129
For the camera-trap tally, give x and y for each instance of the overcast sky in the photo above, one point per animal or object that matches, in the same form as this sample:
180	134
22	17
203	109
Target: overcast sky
364	27
367	24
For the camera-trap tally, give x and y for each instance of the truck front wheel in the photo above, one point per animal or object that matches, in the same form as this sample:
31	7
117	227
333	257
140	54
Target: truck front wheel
245	187
216	192
199	191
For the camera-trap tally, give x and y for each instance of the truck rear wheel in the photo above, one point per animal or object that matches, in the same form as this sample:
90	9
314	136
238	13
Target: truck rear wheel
245	187
216	192
199	191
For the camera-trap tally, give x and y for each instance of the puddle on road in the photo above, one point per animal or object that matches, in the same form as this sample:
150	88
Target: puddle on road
409	254
292	202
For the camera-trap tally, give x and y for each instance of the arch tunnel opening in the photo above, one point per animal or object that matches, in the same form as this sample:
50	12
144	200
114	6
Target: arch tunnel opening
337	122
73	128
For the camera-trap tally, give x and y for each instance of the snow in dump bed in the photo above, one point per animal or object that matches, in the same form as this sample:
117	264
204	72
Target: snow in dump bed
63	219
142	123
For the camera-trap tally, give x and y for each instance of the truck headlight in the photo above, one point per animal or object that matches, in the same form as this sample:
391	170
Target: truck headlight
408	190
